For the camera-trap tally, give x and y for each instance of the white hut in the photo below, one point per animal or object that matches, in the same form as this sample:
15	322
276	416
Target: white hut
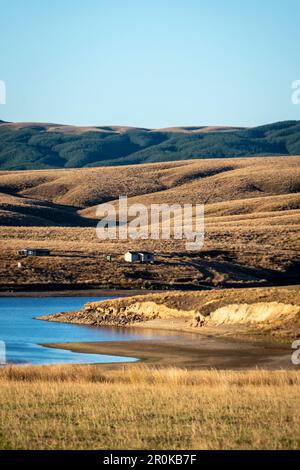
131	256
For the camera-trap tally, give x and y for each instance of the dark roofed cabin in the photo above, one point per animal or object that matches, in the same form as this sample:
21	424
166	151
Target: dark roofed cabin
34	252
146	257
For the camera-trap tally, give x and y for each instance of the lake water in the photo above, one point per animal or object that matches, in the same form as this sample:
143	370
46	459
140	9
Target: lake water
22	334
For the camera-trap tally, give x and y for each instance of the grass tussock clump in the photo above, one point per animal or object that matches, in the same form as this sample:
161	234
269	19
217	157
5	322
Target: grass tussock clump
57	373
79	407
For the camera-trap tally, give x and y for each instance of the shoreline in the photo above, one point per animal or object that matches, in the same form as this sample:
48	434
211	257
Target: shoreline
175	339
181	348
118	292
77	293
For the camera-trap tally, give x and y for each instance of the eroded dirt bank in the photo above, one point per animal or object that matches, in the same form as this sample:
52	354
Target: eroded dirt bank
274	312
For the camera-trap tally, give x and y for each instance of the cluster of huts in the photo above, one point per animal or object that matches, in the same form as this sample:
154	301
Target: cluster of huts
130	256
139	256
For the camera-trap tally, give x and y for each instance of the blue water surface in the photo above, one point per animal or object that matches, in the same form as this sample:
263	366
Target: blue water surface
22	334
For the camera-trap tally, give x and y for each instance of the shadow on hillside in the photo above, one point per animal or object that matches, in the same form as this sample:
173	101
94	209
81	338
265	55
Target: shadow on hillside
224	269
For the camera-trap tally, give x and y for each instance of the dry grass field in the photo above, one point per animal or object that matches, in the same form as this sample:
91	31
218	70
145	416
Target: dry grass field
84	407
252	222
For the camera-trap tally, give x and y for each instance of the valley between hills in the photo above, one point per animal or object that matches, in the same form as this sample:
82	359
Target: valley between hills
252	222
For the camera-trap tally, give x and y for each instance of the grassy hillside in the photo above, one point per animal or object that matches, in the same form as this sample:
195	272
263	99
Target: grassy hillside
252	224
40	146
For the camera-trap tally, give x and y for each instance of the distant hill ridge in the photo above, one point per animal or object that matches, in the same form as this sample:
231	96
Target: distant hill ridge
33	146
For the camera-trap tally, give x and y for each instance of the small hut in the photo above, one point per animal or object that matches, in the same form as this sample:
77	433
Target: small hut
34	252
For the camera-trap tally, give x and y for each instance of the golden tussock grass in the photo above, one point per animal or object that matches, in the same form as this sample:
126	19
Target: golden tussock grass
86	407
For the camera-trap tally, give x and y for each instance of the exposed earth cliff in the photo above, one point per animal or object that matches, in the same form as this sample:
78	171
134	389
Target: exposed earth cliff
271	311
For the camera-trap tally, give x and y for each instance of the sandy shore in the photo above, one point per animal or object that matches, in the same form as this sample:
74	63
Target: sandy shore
180	348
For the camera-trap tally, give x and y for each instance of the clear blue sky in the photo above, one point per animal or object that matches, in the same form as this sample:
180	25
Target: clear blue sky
150	63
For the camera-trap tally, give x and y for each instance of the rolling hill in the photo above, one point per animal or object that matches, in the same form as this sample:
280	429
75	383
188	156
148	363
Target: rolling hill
252	224
33	146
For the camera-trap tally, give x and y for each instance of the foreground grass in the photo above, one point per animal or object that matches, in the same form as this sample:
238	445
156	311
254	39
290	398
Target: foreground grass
84	407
